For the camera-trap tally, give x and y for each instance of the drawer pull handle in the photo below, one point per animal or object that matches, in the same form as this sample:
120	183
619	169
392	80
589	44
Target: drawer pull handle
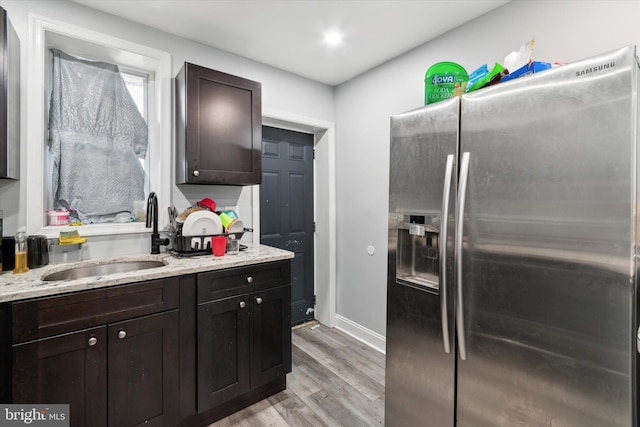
196	173
249	279
93	341
122	334
258	300
242	304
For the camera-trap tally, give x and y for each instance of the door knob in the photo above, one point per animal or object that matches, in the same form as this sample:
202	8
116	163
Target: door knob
122	334
249	279
93	341
196	173
243	304
258	300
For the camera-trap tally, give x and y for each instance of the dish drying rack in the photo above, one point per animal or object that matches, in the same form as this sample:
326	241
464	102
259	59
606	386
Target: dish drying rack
199	245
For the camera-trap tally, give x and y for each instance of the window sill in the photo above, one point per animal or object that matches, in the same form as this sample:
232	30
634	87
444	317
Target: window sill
53	231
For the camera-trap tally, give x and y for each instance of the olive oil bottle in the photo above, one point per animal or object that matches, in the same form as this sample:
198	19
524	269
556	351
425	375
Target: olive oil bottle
21	251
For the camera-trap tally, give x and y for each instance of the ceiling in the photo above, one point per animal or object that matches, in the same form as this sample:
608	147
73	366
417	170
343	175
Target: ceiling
288	34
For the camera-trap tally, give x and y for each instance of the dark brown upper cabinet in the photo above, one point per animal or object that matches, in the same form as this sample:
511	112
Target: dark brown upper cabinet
219	128
9	99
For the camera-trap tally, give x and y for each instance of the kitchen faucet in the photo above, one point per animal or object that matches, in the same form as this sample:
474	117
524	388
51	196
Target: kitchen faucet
152	215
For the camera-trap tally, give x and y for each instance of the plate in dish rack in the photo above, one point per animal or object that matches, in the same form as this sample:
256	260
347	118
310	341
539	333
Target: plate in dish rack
202	223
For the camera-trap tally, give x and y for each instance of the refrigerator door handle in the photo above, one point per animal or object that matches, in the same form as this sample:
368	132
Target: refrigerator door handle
443	252
462	192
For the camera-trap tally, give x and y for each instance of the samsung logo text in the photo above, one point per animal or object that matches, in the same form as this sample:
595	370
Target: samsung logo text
595	69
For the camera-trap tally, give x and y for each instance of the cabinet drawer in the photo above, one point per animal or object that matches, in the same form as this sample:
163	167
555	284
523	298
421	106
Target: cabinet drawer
223	283
55	315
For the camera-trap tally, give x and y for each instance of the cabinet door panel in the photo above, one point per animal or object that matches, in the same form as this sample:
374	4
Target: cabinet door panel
223	351
270	335
224	144
9	99
143	371
219	132
65	369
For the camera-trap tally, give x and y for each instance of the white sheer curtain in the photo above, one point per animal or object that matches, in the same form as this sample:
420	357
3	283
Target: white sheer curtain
96	138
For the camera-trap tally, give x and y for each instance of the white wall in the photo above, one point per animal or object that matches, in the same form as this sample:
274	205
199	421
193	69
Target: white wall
281	92
563	30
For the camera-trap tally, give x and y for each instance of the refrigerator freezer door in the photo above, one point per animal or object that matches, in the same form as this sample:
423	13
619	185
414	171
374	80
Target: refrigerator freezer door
420	359
548	273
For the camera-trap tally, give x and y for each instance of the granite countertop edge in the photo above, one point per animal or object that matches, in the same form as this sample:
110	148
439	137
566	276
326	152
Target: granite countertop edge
15	287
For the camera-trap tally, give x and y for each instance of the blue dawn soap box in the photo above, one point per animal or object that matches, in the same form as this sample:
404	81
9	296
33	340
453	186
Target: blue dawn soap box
530	68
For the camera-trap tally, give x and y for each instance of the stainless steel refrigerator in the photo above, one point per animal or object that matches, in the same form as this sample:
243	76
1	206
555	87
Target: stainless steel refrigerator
512	278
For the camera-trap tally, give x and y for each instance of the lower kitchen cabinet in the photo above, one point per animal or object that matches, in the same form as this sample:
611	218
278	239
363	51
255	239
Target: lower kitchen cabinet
143	371
223	351
181	351
243	342
116	374
270	335
69	369
235	333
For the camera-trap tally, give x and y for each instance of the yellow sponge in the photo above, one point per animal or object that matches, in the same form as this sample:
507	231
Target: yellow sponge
71	238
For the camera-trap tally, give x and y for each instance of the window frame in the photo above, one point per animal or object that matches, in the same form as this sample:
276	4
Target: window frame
46	32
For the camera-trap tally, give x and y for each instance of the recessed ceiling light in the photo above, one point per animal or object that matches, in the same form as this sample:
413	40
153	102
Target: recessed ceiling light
333	38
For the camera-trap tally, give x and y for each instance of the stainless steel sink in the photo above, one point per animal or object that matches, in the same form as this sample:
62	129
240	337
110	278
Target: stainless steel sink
101	269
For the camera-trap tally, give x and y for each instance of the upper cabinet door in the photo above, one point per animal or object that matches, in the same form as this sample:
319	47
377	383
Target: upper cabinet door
9	99
219	134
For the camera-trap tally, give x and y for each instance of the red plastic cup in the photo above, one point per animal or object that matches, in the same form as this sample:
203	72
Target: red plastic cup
218	245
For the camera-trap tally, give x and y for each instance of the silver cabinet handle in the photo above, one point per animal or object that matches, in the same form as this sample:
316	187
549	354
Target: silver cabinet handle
122	334
249	279
196	173
443	253
462	193
243	304
638	340
258	300
93	341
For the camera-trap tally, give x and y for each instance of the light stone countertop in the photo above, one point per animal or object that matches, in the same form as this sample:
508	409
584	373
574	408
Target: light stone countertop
14	287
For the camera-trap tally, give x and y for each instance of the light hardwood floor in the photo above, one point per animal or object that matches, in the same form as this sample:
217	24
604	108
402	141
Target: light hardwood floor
336	381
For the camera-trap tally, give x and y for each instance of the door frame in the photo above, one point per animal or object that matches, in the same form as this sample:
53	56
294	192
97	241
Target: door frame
324	187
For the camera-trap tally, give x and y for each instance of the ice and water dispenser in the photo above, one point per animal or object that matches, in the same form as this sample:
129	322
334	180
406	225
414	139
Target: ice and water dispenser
418	251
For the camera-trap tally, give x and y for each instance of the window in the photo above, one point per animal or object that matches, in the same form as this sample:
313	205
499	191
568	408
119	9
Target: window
97	139
147	74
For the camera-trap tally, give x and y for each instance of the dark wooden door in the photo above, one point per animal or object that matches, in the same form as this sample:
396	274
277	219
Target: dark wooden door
270	335
65	369
286	210
143	371
223	351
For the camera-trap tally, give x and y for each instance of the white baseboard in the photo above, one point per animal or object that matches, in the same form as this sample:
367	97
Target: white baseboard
359	332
